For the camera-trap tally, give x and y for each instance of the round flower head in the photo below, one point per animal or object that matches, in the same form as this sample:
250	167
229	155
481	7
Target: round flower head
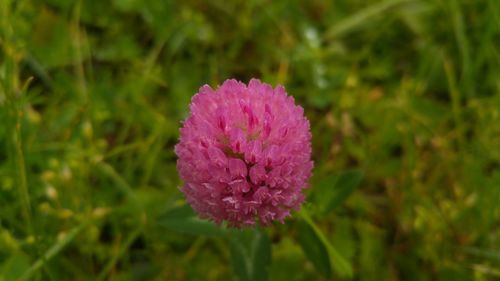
244	153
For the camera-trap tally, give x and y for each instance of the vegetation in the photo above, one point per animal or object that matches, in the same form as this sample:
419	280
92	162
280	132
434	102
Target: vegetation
404	101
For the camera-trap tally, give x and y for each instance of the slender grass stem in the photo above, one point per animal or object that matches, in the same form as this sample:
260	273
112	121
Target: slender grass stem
111	264
455	101
121	183
22	178
14	100
362	17
53	251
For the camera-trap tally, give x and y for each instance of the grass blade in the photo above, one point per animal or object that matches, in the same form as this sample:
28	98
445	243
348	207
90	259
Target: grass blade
109	266
53	251
361	17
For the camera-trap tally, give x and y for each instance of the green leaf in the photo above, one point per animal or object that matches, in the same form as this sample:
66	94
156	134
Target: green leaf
239	260
14	266
182	219
320	251
184	211
315	250
251	255
261	256
340	187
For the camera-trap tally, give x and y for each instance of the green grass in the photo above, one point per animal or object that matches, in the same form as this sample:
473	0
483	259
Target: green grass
404	92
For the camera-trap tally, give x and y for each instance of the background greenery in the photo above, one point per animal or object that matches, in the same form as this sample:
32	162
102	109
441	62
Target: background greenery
403	96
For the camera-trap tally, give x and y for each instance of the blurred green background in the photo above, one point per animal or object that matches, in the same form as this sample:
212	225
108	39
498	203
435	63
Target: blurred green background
403	95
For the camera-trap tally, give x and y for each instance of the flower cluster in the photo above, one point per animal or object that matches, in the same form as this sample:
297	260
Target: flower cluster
244	153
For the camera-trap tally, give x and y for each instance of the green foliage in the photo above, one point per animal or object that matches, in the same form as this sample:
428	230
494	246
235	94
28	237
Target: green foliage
315	250
182	219
250	255
320	251
14	267
403	98
333	190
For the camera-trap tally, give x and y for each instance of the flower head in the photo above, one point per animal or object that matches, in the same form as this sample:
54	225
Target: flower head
244	153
